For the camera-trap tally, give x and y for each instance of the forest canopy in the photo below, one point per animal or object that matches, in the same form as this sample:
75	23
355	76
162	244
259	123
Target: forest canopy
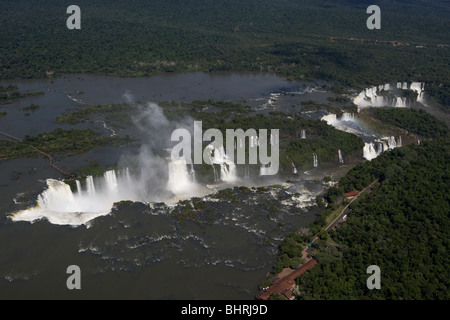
298	40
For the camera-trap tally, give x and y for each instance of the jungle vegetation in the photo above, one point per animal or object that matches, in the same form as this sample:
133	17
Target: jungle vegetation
302	40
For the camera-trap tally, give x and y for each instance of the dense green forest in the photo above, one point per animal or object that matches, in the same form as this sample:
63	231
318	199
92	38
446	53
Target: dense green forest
402	226
10	93
58	141
415	121
297	39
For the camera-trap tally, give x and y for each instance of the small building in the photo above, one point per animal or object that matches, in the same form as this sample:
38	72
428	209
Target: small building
352	194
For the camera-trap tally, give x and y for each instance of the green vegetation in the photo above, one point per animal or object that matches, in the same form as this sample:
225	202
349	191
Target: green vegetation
290	251
117	115
2	114
63	142
10	93
401	226
298	40
195	210
32	107
415	121
93	169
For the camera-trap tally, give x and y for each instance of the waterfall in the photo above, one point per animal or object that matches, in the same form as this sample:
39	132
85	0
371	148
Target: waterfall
370	97
315	161
392	143
333	120
78	186
400	102
266	170
58	197
303	134
347	116
90	187
341	159
401	85
419	87
127	176
111	180
60	205
228	171
369	151
180	178
247	172
216	176
294	169
374	149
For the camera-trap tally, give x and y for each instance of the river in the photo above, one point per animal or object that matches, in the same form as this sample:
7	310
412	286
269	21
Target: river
143	251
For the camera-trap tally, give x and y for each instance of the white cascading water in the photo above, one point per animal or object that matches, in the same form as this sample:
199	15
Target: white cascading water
216	174
61	206
90	187
374	149
78	186
400	102
181	178
315	161
391	142
303	134
228	171
341	159
266	170
294	169
346	122
369	151
371	97
247	172
346	116
419	87
334	121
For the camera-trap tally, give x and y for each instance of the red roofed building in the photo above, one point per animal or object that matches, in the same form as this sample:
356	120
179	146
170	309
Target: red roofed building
351	194
286	284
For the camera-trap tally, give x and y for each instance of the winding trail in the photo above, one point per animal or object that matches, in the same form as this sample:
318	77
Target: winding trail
39	151
286	284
